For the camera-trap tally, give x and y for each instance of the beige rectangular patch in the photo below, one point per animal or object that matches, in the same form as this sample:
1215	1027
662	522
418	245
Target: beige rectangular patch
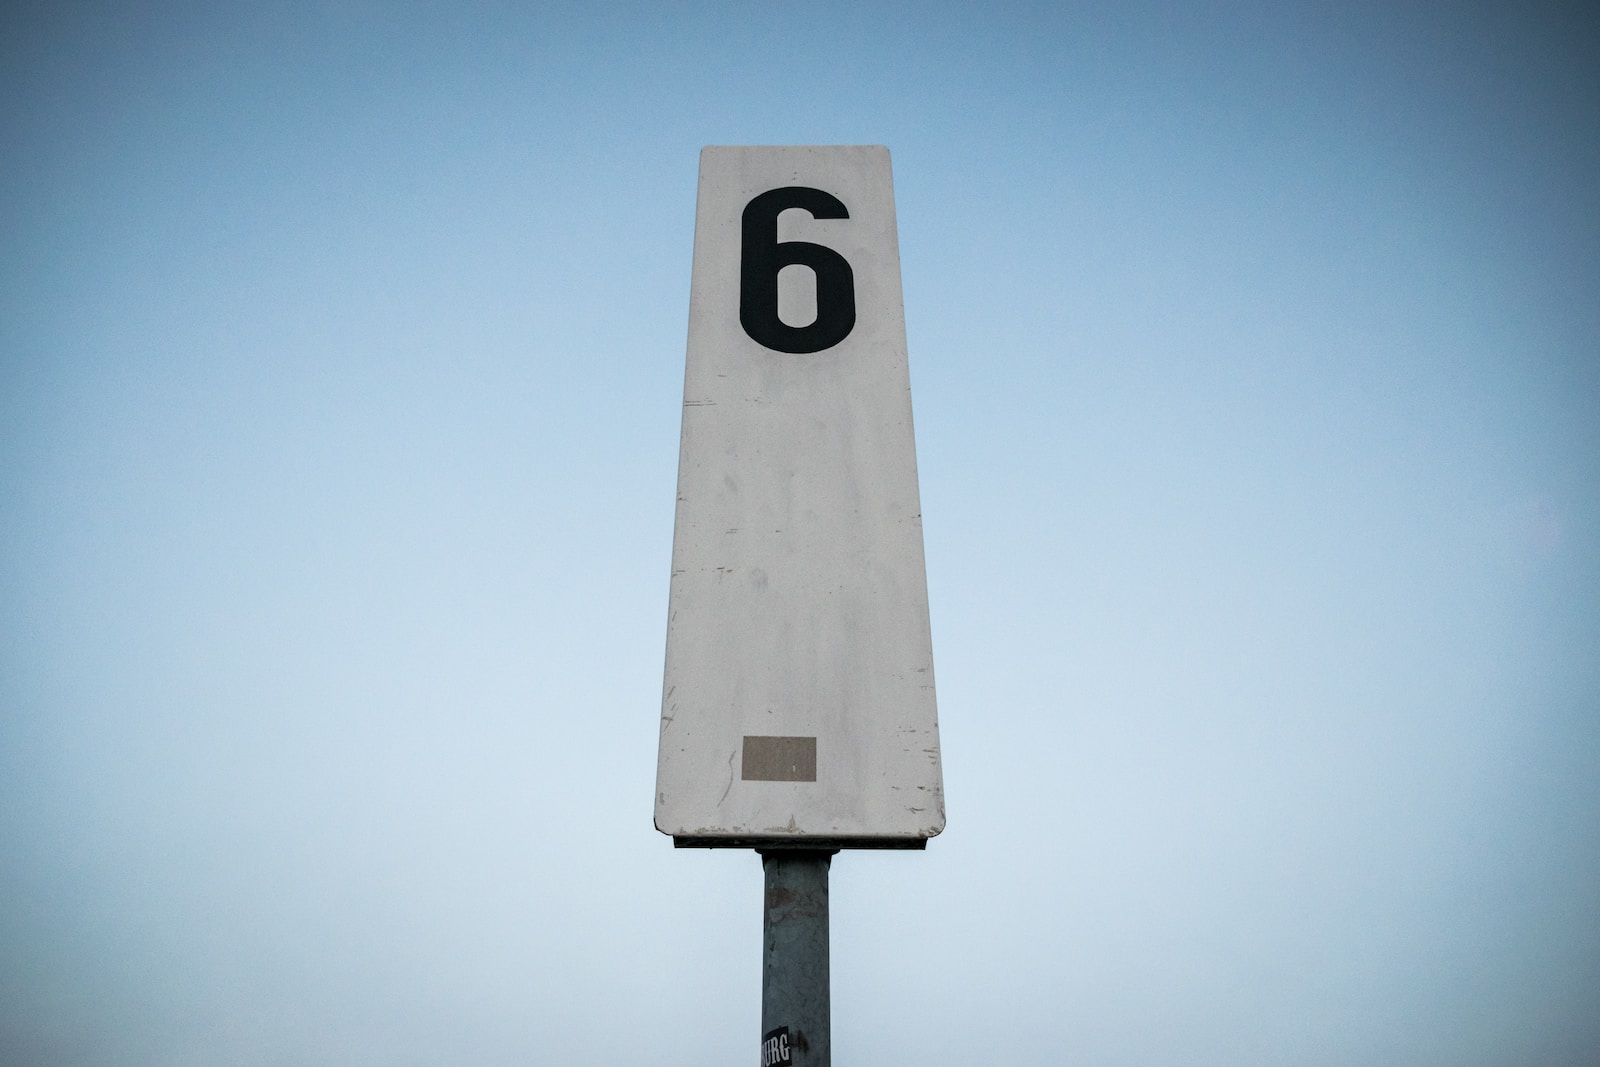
779	759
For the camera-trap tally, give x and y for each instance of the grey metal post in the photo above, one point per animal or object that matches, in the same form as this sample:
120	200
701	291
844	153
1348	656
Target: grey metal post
794	959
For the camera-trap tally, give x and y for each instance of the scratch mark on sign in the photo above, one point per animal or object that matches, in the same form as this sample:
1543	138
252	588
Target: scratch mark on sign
729	788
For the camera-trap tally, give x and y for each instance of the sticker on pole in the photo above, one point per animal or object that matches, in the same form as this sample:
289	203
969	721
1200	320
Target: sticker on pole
775	1048
798	704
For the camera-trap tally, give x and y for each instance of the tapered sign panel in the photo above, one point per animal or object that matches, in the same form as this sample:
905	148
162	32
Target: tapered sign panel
798	705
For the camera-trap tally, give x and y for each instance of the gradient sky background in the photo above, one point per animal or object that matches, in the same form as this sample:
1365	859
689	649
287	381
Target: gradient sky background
1255	351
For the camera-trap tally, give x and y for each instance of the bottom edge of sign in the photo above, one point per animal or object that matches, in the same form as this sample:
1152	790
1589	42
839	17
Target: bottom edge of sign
807	843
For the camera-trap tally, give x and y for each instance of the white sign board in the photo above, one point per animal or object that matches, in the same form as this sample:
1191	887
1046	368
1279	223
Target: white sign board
798	705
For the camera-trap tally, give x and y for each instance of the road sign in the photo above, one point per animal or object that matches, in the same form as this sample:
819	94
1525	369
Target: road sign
798	704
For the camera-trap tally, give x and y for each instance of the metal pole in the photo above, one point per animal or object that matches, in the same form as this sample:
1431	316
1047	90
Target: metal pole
794	959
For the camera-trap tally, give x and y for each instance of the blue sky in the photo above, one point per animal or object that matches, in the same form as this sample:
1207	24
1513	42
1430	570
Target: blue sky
1255	352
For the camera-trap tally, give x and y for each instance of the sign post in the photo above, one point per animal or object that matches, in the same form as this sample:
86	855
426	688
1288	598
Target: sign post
795	996
798	714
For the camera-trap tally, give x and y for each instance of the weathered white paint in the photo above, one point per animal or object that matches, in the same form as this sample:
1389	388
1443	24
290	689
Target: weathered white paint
798	602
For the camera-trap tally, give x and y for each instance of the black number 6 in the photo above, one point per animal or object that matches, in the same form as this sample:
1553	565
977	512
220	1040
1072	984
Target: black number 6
762	256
